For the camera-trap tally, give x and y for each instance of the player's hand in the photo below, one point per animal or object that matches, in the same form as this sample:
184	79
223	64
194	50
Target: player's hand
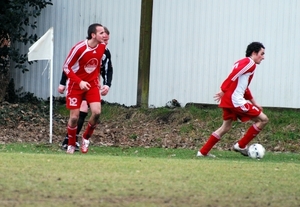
218	96
259	106
104	90
84	85
61	89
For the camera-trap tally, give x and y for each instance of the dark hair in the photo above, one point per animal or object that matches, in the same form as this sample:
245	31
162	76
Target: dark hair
92	29
106	30
254	47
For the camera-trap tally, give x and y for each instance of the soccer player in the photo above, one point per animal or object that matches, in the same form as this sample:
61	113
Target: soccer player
106	73
82	67
237	102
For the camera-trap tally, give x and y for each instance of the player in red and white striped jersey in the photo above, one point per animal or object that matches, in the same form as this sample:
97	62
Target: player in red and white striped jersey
237	102
107	75
82	67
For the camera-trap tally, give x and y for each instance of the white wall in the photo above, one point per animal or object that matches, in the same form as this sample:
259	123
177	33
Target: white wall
194	45
70	20
196	42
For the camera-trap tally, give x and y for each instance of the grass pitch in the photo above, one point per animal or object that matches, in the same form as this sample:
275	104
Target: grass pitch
45	176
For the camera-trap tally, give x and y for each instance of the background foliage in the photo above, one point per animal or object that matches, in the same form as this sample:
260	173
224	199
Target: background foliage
15	16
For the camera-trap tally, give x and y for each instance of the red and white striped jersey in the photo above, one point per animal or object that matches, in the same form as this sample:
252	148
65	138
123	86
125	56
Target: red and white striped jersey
235	86
83	62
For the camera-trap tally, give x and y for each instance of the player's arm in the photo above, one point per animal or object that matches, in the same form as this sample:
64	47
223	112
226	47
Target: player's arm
71	59
62	83
109	71
106	73
218	96
255	104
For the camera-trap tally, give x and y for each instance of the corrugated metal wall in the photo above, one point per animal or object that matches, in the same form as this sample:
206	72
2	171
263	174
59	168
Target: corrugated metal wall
70	19
194	45
196	42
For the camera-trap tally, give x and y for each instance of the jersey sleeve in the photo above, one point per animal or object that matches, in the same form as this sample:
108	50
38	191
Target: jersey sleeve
107	74
72	58
225	85
63	79
239	68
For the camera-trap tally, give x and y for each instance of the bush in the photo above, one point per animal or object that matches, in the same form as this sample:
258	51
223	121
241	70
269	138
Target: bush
16	16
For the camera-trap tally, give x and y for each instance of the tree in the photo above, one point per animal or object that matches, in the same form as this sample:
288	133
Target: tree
15	17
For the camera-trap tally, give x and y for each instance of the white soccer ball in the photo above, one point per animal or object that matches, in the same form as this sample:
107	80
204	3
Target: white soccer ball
256	151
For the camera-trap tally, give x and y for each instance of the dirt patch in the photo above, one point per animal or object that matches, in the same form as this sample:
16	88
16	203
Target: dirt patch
175	128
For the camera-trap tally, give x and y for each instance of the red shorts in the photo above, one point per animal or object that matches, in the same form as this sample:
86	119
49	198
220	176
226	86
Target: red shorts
243	113
75	96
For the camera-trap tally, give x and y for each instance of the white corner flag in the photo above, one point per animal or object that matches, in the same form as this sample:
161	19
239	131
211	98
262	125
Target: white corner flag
43	50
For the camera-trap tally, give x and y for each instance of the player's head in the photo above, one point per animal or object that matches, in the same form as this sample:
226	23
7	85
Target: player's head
254	47
106	35
92	30
256	51
106	30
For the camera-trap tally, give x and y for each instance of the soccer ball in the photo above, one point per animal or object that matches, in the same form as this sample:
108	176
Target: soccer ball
256	151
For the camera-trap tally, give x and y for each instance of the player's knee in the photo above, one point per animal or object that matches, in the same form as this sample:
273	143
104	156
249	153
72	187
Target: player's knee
73	120
97	116
265	120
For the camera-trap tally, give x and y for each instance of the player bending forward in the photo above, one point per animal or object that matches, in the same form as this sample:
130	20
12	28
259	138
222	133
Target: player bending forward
237	102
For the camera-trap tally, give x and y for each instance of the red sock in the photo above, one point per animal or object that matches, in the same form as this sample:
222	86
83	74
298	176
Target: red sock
213	139
72	135
250	134
89	131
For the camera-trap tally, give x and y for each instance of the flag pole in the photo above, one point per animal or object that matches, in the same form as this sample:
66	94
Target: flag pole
51	99
51	91
42	49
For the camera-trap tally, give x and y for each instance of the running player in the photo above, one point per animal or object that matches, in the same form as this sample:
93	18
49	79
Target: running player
237	102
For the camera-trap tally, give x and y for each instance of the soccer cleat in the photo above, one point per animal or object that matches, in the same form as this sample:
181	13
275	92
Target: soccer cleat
70	149
64	144
243	151
85	145
77	146
201	155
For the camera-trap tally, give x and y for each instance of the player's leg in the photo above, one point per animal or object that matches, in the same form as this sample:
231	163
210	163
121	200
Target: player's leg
93	120
64	144
228	118
260	120
214	138
73	102
82	115
71	129
94	100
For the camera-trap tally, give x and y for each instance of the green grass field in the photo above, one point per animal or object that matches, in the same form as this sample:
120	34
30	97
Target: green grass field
43	175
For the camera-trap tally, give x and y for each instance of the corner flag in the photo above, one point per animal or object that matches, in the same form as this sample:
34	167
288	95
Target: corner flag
43	50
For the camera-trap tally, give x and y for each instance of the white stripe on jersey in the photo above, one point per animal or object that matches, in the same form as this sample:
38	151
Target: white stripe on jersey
75	67
249	65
